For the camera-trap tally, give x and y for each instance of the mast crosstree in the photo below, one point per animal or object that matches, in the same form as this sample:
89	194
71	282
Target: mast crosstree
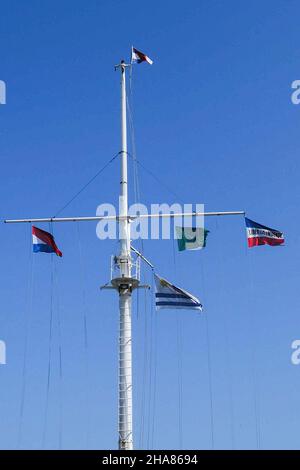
124	282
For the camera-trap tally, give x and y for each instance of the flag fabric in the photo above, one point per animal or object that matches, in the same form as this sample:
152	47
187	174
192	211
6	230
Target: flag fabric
169	296
44	242
137	57
191	238
258	234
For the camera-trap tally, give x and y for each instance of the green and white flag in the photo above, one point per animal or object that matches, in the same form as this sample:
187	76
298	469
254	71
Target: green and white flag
191	238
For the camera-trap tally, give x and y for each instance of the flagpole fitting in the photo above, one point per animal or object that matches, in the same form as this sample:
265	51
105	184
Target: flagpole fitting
121	64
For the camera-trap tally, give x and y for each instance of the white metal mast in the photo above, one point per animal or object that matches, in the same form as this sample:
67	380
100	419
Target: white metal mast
125	284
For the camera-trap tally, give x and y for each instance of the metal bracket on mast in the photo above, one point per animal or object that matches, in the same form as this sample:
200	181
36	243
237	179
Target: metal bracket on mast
125	283
142	257
121	64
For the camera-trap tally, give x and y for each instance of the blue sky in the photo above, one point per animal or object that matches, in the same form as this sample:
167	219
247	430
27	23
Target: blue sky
214	121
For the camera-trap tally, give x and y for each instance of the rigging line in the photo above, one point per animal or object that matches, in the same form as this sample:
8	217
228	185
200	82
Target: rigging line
130	80
87	184
54	287
133	152
158	180
135	184
254	379
132	134
147	343
60	360
254	366
227	345
149	333
230	386
137	303
27	330
179	367
136	180
144	375
133	156
210	382
150	375
85	330
212	431
49	357
179	359
153	313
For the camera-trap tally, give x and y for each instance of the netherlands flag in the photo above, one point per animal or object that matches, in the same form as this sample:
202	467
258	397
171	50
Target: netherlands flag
137	57
44	241
258	234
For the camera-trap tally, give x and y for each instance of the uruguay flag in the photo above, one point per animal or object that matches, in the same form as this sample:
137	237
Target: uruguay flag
169	296
44	241
258	234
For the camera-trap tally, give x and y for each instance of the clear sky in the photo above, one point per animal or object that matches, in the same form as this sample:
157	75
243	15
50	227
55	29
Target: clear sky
214	122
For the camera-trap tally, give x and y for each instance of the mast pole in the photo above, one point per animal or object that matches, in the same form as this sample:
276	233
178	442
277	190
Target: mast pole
125	289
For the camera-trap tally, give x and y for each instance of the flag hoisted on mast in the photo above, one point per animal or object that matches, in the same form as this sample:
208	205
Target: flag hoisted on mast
125	282
170	296
191	238
258	234
137	57
44	241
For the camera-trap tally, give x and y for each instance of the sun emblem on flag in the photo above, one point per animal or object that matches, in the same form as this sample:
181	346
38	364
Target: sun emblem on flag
164	283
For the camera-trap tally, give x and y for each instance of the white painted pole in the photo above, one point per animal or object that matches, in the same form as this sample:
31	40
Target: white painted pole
124	234
124	261
118	218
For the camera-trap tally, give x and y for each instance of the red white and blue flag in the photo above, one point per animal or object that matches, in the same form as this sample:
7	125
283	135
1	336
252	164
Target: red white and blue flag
137	57
258	234
44	241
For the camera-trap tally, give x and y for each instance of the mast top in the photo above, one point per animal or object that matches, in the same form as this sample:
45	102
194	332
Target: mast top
122	64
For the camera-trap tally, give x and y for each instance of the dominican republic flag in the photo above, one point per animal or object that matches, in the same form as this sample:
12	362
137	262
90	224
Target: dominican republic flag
137	57
258	234
169	296
44	241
